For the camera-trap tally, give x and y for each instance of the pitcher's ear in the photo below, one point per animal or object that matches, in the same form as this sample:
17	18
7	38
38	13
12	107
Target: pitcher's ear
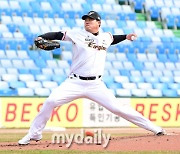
99	23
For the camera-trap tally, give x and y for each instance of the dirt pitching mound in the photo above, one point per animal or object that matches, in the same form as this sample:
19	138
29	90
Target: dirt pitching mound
145	142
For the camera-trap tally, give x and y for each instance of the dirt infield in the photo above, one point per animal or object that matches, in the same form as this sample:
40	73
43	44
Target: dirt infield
130	140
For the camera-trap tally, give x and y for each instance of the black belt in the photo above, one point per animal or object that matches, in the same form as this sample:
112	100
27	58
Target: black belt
87	78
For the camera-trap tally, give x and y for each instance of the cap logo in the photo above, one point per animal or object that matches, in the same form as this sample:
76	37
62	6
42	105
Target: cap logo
91	13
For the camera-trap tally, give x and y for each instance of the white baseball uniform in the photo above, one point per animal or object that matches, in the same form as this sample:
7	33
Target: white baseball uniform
89	54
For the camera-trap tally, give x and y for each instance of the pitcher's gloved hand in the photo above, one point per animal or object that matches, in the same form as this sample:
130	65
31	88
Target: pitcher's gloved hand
46	44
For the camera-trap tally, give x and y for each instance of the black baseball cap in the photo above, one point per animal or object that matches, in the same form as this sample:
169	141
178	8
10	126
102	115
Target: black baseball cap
93	15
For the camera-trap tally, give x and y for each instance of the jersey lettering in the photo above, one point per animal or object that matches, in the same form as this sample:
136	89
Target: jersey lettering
94	46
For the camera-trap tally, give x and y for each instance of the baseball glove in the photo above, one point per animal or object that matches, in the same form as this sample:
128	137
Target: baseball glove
46	44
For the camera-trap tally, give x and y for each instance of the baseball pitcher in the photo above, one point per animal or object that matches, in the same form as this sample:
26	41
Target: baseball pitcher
85	78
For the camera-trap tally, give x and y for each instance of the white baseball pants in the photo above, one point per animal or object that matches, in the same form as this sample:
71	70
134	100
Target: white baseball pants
94	90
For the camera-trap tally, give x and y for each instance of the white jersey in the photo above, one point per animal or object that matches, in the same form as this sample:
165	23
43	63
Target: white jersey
89	51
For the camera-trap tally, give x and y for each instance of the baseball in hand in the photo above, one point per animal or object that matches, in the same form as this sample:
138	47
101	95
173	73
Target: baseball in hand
133	38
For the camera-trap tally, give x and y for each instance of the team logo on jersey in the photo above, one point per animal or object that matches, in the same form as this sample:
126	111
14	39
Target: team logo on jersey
90	42
94	46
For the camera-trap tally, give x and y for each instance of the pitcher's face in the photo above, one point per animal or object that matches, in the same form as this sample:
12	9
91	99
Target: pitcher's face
91	25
